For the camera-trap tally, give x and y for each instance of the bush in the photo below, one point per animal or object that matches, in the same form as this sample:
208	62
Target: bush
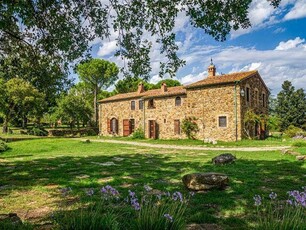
3	146
293	131
190	127
299	144
38	130
138	134
280	214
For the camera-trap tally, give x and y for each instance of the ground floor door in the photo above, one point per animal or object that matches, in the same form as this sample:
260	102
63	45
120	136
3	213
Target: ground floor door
152	129
128	127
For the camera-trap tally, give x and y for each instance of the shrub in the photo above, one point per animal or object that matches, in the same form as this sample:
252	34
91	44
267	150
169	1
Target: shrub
38	130
3	146
299	144
190	127
293	131
283	215
138	134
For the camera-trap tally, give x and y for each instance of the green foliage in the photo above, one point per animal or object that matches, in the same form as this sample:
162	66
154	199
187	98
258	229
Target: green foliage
152	215
190	127
291	106
169	83
138	134
37	130
73	109
292	131
70	32
97	74
3	146
95	217
129	84
273	123
8	225
299	144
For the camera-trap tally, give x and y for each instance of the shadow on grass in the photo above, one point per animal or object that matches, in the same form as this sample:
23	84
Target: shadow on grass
231	208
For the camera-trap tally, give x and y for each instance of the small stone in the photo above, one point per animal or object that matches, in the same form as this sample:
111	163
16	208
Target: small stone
205	181
225	158
301	158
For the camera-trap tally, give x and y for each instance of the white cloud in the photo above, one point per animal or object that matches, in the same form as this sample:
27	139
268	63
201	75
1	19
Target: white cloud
298	11
291	44
107	48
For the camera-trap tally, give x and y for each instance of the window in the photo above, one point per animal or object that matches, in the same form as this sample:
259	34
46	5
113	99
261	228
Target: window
140	104
247	94
263	100
132	105
113	126
151	104
177	127
256	97
178	101
222	121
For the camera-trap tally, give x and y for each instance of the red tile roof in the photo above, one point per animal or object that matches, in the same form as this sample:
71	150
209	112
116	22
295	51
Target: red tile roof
180	90
223	79
171	91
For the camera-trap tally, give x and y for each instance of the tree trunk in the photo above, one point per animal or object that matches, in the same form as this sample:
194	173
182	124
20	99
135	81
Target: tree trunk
24	122
5	126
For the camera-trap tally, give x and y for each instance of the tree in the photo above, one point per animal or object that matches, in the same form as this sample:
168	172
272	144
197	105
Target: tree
73	109
129	84
169	83
97	74
18	96
67	26
291	106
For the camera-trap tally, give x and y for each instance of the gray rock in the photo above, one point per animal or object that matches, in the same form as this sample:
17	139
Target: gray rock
205	181
225	158
301	158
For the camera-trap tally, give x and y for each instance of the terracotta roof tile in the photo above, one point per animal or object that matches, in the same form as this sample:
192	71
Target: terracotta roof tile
171	91
222	79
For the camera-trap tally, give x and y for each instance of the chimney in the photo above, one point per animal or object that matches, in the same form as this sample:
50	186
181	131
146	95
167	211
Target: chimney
164	87
140	88
211	69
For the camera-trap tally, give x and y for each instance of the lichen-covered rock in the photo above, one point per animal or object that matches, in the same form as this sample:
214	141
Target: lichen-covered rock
225	158
205	181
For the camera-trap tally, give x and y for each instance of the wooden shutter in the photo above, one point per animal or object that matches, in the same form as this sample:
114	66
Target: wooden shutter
177	128
126	127
116	131
109	125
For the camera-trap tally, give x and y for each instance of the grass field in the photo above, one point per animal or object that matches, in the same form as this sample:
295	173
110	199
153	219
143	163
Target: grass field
33	171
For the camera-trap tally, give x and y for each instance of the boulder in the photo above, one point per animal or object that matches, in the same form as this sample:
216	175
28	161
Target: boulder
225	158
205	181
301	158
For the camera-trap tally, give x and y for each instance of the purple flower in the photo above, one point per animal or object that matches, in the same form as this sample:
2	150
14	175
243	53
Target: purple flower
273	195
109	190
257	200
132	194
90	192
177	196
168	217
299	198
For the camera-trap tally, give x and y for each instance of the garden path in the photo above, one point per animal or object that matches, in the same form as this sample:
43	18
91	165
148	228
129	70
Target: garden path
218	148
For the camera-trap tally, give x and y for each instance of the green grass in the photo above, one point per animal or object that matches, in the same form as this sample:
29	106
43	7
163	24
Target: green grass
33	171
271	141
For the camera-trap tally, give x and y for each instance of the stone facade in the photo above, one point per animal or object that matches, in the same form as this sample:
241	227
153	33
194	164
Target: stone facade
219	103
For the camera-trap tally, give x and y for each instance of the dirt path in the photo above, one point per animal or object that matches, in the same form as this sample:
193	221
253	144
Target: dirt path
181	147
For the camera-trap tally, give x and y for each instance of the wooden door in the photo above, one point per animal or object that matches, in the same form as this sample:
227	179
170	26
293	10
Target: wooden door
152	129
132	125
126	127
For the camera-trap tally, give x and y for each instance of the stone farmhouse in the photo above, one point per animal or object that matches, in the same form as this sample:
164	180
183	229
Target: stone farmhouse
218	102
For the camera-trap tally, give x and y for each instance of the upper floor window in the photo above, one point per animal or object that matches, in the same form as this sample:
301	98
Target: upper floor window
222	121
151	104
178	101
264	100
140	104
132	105
256	97
247	94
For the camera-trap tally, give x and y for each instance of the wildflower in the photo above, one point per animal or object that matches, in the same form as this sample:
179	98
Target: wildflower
168	217
90	192
159	196
257	200
132	194
177	195
109	190
191	193
289	202
65	191
273	195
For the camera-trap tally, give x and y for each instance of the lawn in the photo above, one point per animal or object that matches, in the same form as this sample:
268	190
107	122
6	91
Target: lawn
33	171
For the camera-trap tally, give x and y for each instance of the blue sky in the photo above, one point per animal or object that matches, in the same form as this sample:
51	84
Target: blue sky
275	45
